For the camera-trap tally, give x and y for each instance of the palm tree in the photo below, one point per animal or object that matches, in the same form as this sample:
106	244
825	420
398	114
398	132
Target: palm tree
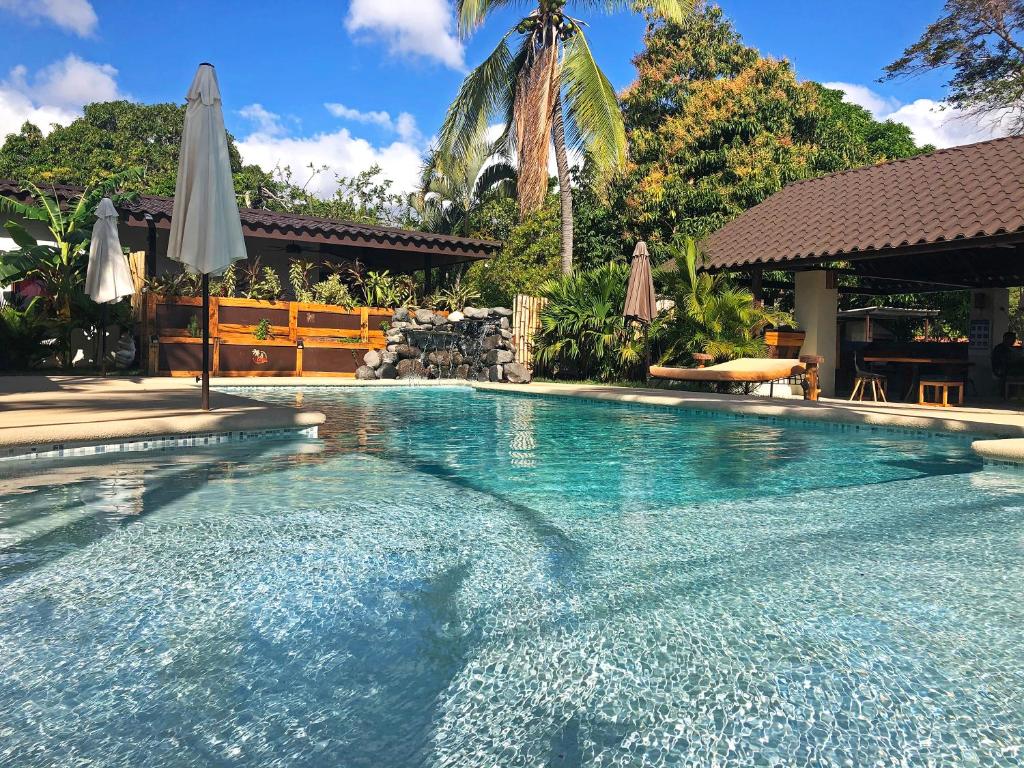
452	191
549	90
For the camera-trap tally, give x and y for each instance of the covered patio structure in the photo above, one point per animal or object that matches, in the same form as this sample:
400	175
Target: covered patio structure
951	220
275	238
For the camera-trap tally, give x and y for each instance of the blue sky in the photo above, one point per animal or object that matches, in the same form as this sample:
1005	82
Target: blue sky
352	82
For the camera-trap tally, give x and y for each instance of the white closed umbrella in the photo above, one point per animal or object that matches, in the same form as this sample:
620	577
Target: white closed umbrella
206	233
108	277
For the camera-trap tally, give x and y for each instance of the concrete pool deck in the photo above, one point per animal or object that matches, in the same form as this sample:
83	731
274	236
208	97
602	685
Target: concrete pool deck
47	415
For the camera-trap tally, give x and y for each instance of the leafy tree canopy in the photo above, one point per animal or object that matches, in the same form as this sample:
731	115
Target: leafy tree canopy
715	128
983	42
109	138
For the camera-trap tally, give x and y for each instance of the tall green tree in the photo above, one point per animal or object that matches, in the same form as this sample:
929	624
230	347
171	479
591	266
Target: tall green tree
543	84
982	41
108	139
715	128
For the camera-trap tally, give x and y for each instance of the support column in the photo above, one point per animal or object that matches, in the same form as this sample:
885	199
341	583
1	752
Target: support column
817	302
989	320
428	276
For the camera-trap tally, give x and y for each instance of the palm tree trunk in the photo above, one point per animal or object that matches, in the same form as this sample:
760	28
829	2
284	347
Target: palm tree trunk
564	186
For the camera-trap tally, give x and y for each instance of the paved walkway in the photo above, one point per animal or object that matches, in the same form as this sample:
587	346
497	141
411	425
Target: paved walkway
42	412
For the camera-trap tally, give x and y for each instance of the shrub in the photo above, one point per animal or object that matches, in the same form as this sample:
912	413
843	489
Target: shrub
455	296
333	291
711	315
22	333
298	279
262	330
583	333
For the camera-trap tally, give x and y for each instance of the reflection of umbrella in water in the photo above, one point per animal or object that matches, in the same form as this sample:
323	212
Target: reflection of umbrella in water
640	298
206	232
108	278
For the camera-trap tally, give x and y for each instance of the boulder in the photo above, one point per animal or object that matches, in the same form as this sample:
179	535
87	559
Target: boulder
475	314
502	311
492	342
494	373
454	317
365	373
396	338
506	335
411	369
405	351
441	358
498	357
439	320
397	326
482	375
504	323
517	373
424	316
462	372
372	358
401	314
388	357
387	371
391	348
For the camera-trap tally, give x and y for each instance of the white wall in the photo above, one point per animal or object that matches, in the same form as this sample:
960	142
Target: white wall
815	311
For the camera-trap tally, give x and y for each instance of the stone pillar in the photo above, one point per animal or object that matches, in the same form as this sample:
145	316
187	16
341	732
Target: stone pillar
817	302
989	320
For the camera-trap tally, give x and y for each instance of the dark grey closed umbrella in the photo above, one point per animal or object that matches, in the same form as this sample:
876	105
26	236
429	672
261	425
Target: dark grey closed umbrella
640	298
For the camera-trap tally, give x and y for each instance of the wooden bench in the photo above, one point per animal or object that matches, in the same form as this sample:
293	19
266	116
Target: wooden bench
942	387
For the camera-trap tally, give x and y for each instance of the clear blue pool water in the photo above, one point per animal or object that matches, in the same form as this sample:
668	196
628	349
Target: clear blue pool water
455	578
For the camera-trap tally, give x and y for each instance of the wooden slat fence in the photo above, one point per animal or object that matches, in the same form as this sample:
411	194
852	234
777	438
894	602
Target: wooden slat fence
525	323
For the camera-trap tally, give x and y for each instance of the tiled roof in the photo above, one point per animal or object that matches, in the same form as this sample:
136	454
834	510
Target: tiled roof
272	223
953	194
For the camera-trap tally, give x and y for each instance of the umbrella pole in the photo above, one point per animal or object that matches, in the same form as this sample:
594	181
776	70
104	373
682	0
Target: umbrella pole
103	340
206	343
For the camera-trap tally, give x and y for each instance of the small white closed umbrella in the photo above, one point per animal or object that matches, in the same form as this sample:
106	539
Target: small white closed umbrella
206	233
108	277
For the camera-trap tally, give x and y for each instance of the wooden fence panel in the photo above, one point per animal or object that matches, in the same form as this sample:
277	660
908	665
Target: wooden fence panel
303	338
525	324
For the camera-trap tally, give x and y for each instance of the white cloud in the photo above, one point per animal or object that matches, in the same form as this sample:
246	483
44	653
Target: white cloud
76	16
932	122
410	27
54	94
267	122
382	119
342	152
404	125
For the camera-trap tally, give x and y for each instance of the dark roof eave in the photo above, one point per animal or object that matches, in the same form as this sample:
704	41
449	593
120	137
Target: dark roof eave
279	226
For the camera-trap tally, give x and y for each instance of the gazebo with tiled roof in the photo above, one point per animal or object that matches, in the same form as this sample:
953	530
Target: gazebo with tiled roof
948	220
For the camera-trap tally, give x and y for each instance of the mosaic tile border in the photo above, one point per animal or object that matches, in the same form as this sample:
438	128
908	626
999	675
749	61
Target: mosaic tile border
153	443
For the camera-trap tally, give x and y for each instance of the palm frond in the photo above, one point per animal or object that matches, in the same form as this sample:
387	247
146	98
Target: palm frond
487	90
672	10
593	117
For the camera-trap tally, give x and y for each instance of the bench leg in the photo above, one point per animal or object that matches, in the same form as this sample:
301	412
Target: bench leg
881	388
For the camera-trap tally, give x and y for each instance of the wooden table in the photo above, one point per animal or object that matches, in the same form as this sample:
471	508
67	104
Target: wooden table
916	362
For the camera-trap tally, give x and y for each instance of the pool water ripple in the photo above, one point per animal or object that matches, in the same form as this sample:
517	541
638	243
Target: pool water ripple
453	578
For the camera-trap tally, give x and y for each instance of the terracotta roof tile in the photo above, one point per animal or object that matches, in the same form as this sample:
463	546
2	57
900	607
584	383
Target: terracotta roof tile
961	192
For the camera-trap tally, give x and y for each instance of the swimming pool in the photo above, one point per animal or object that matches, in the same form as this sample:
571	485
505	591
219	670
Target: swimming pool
452	577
